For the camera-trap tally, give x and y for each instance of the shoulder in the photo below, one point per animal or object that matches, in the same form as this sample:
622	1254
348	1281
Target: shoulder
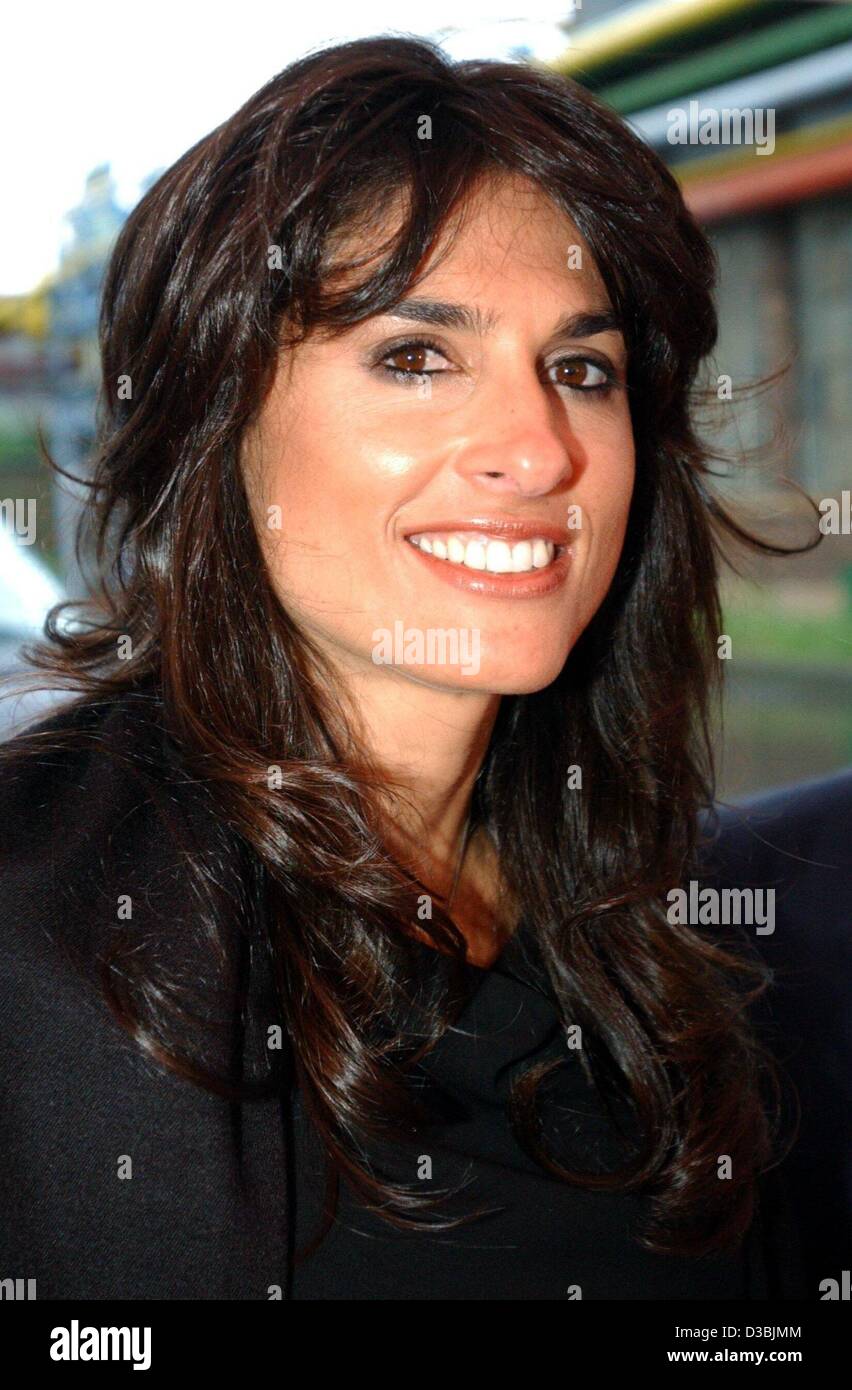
789	851
106	966
77	790
55	760
806	822
796	842
99	826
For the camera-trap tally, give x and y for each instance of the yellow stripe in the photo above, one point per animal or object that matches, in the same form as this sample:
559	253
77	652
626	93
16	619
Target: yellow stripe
810	140
639	28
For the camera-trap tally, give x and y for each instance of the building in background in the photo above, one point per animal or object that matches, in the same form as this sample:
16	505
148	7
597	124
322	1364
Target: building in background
25	387
781	224
73	305
780	218
49	382
50	373
28	585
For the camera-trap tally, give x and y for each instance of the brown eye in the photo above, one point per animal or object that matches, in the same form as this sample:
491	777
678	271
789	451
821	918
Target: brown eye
406	363
571	373
408	359
581	374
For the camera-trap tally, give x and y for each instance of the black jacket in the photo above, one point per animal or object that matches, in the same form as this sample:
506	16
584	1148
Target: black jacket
798	841
210	1213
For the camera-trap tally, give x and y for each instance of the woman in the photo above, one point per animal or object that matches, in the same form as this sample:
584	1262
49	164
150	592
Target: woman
389	738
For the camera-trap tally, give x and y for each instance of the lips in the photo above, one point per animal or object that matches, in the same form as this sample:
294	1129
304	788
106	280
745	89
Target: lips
501	528
494	556
476	550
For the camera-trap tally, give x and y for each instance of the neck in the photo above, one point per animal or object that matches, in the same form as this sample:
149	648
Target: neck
430	742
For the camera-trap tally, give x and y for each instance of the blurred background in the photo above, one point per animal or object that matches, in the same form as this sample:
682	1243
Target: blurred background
99	102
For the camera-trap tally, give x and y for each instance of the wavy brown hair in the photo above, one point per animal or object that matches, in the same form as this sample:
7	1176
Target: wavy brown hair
197	308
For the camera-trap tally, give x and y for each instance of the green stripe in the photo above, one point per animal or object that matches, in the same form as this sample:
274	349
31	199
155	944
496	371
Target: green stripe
794	39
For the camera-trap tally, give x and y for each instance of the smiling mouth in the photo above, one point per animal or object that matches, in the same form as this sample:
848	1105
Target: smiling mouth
473	550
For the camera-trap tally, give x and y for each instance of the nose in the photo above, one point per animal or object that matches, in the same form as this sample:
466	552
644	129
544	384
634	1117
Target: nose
519	441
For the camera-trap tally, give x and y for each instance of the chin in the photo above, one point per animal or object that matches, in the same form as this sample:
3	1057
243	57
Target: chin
509	676
522	667
527	682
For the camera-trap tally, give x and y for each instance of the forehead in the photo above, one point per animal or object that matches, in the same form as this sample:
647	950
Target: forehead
511	225
508	236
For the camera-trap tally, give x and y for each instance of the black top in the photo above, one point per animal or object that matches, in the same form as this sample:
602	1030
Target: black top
121	1180
542	1239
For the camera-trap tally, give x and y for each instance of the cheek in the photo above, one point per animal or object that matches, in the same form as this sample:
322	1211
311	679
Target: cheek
335	478
612	504
606	502
311	481
345	467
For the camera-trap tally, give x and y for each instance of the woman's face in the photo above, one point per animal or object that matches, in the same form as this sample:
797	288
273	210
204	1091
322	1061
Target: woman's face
459	527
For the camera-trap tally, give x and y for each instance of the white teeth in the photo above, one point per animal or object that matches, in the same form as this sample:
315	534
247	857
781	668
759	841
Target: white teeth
495	556
522	557
498	557
474	555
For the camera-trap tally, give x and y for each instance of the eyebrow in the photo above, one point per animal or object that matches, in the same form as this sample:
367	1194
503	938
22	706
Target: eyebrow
471	319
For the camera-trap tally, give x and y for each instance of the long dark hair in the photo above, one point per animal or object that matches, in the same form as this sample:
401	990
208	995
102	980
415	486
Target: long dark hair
195	304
